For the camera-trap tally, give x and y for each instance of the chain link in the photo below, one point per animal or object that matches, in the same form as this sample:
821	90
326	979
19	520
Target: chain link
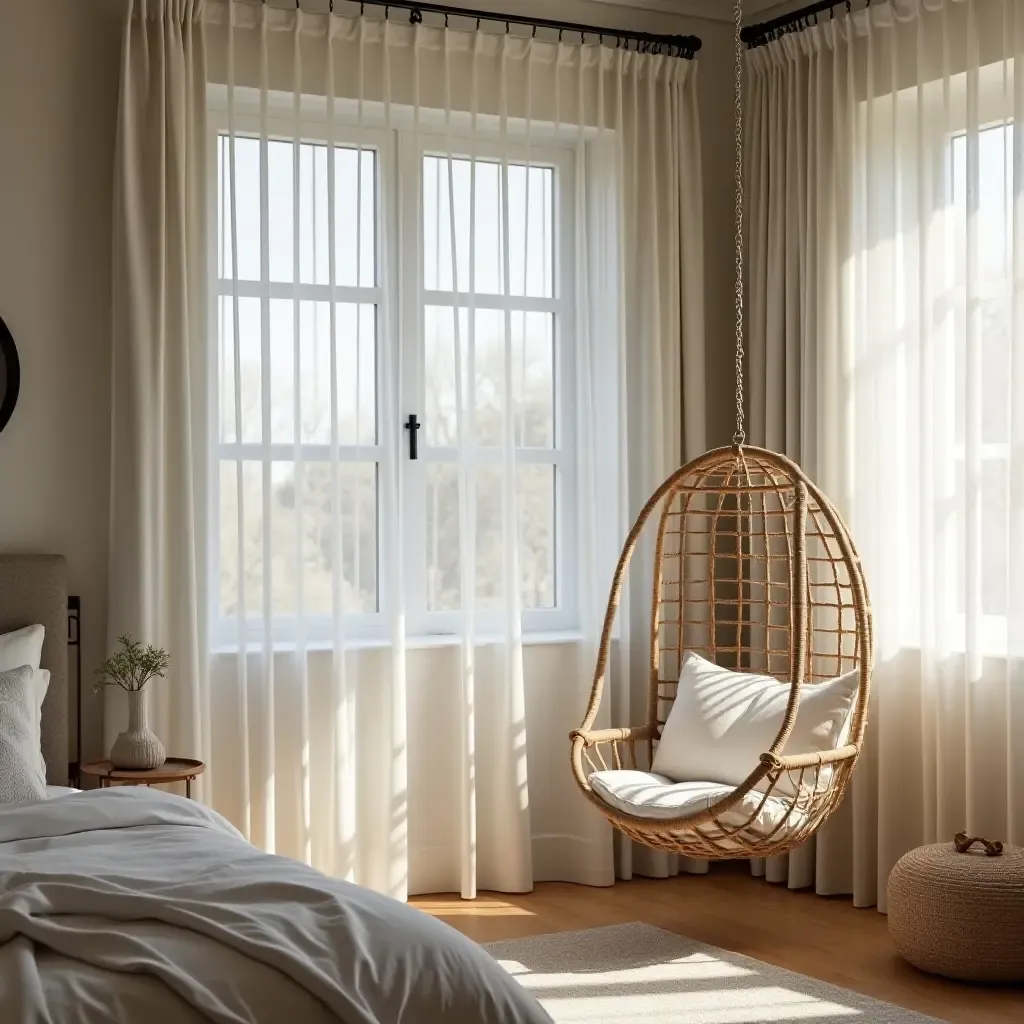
740	436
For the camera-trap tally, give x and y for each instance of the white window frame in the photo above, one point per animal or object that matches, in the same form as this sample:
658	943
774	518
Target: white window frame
400	151
412	149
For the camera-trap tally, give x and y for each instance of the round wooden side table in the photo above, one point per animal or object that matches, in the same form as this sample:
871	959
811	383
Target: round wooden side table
174	769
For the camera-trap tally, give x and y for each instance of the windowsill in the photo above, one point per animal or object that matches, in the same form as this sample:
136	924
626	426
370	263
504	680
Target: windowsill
422	642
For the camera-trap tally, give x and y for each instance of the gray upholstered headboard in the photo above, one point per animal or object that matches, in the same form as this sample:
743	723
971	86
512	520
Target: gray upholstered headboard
34	588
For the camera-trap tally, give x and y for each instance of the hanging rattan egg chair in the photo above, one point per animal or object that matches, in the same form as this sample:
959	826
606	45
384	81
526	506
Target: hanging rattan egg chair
755	571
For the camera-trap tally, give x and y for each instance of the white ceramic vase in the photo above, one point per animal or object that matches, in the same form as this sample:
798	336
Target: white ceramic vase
137	747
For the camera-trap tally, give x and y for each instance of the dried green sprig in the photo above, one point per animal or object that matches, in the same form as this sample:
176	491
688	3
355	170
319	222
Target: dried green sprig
132	665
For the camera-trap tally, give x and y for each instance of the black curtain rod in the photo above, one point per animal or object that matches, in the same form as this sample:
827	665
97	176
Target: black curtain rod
645	42
797	21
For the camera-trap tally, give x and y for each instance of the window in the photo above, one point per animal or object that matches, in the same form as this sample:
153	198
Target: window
982	363
299	429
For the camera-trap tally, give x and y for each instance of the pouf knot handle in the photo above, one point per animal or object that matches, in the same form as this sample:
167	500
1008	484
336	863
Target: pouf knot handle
964	842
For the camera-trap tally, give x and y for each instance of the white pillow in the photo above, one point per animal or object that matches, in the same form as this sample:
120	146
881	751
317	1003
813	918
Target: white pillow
40	684
20	776
723	721
25	647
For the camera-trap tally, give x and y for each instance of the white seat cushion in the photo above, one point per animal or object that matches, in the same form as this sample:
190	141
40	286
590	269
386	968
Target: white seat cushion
722	722
652	796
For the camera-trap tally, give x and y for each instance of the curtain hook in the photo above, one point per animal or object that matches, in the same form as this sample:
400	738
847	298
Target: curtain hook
446	21
478	24
415	16
330	7
560	31
508	27
533	34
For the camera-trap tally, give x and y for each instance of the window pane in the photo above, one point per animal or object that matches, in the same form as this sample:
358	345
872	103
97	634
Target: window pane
531	236
533	376
537	533
354	193
241	579
990	201
356	341
993	510
535	504
982	197
530	227
533	368
247	206
301	502
444	588
487	344
355	202
355	537
249	346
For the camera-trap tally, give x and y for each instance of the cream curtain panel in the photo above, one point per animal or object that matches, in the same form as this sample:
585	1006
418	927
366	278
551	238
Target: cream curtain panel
887	356
158	405
499	233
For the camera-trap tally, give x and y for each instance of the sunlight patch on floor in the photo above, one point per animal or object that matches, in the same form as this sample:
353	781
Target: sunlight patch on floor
698	967
471	908
689	990
712	1006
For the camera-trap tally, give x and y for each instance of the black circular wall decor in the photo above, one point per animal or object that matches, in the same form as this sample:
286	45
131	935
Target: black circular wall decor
10	375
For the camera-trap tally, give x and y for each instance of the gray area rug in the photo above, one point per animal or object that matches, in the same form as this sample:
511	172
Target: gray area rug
636	972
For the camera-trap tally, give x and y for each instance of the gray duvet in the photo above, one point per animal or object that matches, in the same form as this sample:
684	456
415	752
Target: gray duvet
130	905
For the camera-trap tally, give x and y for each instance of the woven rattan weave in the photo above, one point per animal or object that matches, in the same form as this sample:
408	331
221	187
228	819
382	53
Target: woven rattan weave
753	569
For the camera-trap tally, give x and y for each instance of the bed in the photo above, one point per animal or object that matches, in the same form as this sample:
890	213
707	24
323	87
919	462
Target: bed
123	905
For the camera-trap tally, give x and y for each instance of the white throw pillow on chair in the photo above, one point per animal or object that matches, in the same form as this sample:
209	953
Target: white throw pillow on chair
723	721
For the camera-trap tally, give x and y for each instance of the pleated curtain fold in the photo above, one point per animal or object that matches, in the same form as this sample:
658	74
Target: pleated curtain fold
886	355
496	234
159	341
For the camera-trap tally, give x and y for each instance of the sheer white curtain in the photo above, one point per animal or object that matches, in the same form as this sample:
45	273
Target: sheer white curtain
887	355
501	236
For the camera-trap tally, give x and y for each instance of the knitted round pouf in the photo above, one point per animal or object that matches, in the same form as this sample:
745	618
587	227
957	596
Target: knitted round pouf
957	909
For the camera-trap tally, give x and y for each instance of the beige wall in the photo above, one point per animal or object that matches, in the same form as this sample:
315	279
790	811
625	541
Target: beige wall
58	100
58	103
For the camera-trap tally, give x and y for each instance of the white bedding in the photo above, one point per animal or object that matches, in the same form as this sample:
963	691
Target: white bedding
128	905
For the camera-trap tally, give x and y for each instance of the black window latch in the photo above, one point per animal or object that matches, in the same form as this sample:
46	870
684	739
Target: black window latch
412	424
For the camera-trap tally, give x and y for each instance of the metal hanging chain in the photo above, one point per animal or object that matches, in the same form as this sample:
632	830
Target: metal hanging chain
740	436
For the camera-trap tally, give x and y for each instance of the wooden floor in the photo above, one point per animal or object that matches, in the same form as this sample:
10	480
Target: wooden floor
825	938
